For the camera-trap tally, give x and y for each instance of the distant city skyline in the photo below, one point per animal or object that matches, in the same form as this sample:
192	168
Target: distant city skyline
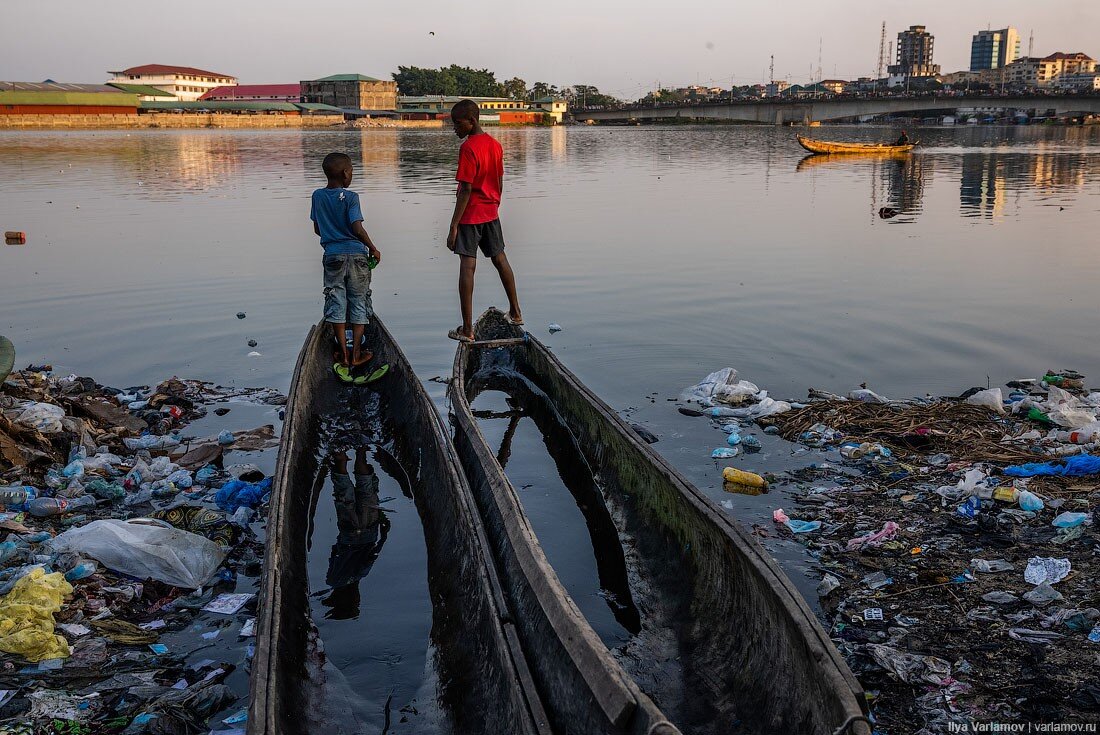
624	48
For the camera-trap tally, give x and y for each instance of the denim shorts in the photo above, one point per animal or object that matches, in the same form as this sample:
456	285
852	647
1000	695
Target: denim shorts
347	289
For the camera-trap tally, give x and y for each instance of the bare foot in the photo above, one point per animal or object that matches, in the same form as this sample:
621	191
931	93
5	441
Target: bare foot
516	318
361	357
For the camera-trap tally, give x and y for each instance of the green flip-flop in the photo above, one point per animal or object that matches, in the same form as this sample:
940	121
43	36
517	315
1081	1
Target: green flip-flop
342	372
376	375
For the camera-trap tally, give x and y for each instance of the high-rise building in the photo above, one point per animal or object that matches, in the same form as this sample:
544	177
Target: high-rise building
994	49
914	57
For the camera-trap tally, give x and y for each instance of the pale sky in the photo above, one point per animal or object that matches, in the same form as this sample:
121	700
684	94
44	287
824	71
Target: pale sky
623	47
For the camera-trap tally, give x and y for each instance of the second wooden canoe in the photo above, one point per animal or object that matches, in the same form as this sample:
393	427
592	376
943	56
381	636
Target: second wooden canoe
747	653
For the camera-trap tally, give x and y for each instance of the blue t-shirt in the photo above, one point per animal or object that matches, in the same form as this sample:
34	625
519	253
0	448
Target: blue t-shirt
334	211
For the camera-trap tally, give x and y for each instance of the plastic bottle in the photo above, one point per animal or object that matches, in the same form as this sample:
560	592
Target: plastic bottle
851	451
1085	435
1030	501
46	507
81	571
16	497
741	477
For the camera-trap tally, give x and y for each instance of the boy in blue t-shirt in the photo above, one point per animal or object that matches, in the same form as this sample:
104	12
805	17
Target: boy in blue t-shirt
338	220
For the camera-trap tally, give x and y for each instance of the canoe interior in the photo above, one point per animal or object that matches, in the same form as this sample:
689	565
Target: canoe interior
824	146
746	652
484	682
583	687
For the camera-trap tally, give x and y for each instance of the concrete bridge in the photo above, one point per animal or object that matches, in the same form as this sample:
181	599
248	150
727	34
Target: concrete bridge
806	110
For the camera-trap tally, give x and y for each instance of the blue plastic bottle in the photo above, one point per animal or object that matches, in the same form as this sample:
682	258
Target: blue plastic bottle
16	497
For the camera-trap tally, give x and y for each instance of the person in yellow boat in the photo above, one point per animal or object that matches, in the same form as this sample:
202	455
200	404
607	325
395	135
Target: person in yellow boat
903	139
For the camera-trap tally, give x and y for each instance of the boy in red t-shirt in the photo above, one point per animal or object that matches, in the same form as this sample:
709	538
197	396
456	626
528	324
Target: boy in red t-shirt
475	223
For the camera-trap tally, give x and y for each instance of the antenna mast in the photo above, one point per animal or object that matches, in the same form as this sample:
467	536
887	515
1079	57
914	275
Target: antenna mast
882	51
1031	44
771	70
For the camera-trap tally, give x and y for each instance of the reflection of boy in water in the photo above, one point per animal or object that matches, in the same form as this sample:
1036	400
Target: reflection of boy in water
362	529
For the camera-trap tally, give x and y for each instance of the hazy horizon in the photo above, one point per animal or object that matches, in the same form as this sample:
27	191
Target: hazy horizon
623	48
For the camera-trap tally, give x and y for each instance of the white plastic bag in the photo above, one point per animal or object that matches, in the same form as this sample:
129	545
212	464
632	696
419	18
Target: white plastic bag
990	398
703	391
43	417
146	549
766	407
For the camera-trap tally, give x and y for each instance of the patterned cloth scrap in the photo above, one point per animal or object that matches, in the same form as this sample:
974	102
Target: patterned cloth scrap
203	521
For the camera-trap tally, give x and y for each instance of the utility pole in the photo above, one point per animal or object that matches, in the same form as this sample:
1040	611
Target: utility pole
771	76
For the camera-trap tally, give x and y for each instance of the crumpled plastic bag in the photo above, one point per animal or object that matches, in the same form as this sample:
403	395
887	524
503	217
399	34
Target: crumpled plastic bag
146	549
721	386
766	407
1064	409
966	487
1046	569
874	539
43	417
867	396
236	493
47	704
910	668
990	398
26	616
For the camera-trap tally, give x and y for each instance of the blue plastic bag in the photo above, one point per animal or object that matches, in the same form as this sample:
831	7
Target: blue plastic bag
237	493
1076	466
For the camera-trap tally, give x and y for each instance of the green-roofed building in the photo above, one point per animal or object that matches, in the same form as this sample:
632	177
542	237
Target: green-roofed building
60	98
351	92
144	92
348	78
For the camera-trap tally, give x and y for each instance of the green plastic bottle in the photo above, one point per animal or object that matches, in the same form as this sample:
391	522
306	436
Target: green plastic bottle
372	262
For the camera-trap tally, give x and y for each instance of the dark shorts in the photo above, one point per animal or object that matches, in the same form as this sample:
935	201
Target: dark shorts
486	236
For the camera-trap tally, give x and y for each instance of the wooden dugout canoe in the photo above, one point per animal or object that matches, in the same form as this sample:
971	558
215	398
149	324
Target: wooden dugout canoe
824	146
485	680
748	652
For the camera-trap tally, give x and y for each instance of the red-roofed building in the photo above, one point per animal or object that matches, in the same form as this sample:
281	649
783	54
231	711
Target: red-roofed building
184	82
255	93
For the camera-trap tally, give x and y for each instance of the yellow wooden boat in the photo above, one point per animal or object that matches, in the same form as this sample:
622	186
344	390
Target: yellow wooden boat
824	146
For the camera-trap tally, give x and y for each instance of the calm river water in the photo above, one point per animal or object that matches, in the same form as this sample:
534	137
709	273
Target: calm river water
664	252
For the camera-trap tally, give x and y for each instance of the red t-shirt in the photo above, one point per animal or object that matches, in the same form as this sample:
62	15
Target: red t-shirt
481	165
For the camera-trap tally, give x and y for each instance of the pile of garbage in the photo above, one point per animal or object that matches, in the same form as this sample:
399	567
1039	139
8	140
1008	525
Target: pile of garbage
128	557
956	543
